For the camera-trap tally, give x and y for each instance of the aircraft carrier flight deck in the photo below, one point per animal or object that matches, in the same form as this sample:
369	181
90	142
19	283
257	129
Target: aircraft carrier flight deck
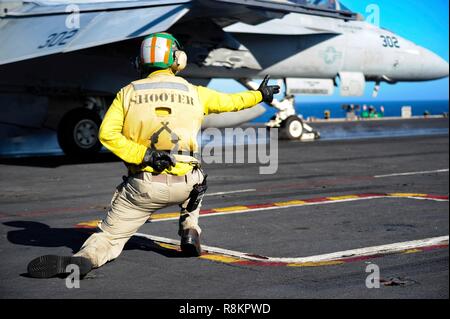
333	210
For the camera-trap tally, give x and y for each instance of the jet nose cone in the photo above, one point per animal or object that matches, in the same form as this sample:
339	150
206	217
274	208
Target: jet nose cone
440	68
435	66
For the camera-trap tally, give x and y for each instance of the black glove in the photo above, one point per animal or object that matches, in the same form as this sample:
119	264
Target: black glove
268	91
158	160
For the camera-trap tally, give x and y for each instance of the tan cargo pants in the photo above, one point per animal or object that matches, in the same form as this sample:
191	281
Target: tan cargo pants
131	206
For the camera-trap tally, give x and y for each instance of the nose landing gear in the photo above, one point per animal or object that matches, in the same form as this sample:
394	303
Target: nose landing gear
291	126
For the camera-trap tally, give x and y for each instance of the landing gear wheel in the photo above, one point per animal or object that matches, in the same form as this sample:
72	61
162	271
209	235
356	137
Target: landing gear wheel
291	128
78	132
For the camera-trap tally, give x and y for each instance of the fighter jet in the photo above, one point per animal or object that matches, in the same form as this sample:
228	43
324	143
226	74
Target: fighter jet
61	62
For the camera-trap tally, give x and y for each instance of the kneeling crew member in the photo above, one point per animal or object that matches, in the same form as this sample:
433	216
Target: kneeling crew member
152	125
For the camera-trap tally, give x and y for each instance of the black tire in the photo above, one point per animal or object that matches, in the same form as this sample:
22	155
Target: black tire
78	132
291	128
268	128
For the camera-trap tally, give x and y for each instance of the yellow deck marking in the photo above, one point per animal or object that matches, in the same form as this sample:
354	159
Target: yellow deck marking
330	199
316	264
412	251
230	209
168	246
91	223
164	215
220	258
289	203
406	195
342	197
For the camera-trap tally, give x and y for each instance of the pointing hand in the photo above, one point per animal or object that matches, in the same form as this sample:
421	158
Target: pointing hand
268	91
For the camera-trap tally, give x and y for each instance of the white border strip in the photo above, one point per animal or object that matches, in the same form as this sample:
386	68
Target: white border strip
232	192
360	252
413	173
296	205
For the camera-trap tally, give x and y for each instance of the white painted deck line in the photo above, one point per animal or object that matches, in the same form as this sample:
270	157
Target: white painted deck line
359	252
413	173
297	205
232	192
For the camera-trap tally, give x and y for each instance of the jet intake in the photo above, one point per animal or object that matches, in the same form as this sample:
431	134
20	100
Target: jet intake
303	86
352	83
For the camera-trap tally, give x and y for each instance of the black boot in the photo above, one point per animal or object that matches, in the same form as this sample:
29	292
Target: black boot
190	243
50	265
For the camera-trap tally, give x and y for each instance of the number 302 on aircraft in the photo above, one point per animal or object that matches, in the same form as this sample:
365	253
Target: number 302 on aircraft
58	39
390	42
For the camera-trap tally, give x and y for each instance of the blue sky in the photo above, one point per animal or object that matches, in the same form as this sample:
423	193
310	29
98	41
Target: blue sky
426	23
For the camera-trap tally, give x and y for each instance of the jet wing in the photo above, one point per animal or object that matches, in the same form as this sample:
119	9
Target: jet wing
281	7
36	30
47	27
288	25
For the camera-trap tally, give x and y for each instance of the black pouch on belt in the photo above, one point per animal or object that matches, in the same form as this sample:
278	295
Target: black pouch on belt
196	195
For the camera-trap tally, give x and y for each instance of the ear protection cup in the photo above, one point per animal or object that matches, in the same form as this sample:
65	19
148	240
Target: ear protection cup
179	61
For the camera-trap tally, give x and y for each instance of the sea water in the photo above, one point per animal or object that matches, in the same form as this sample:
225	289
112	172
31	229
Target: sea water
391	108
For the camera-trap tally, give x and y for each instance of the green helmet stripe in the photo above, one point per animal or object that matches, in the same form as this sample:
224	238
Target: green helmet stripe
172	42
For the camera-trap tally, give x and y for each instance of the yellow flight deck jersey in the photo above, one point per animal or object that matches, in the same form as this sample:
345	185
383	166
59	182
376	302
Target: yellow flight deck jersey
136	118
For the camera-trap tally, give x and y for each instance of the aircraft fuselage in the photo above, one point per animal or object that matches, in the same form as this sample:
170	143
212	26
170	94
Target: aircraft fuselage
356	46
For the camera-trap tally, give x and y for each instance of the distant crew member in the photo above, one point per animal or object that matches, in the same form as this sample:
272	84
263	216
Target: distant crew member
152	125
365	112
381	114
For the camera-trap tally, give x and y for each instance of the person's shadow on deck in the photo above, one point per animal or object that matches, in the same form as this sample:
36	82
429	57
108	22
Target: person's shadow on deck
37	234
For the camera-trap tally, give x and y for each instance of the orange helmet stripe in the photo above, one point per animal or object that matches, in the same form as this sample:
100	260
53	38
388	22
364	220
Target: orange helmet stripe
152	51
168	50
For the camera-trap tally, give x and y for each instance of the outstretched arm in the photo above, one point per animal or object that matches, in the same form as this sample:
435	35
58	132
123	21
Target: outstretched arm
217	102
